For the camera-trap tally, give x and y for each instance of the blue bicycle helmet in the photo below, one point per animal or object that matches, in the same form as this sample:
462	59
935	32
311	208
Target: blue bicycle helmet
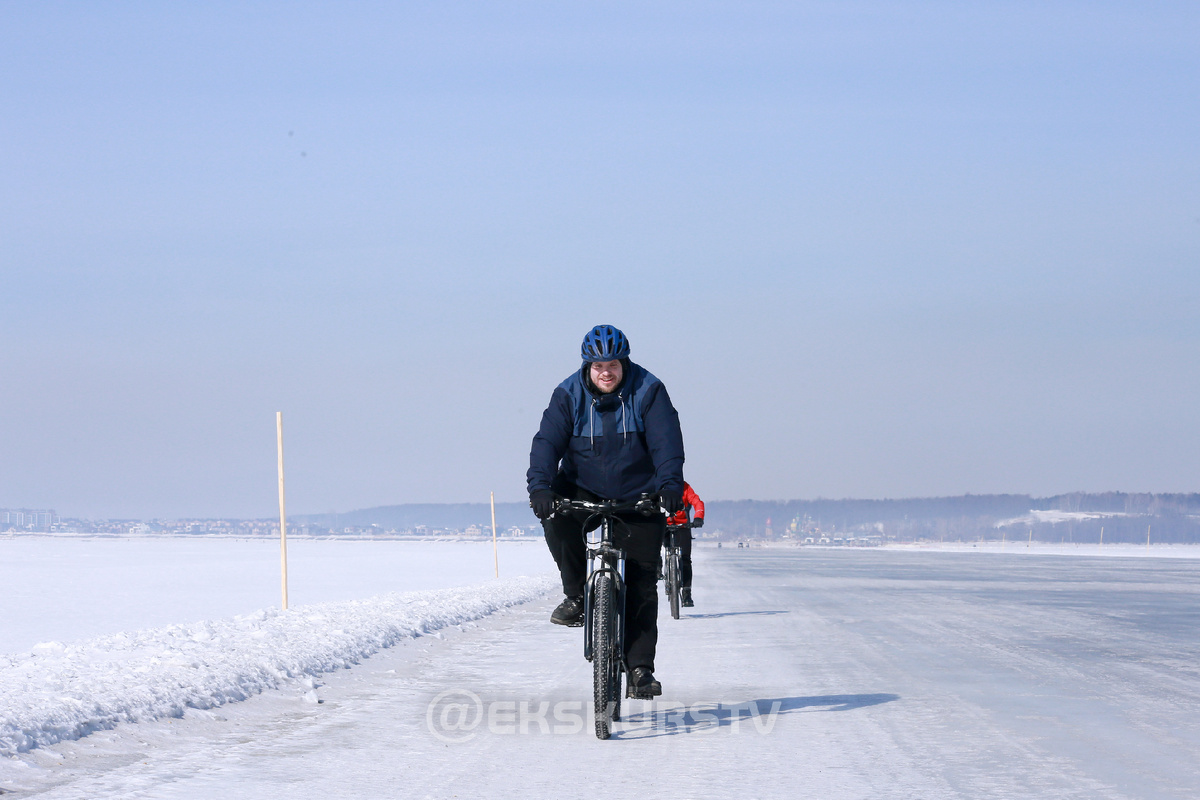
604	343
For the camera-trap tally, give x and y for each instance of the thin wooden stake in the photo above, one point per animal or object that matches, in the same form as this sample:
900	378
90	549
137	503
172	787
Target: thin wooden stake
495	553
1147	537
1102	536
282	513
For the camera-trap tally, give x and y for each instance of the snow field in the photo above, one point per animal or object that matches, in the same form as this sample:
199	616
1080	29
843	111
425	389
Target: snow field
877	673
65	590
65	691
100	621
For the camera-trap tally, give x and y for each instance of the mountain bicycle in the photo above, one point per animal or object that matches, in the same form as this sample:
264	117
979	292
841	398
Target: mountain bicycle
604	603
672	575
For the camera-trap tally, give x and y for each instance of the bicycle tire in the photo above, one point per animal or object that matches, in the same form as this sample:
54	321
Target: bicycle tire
673	582
603	668
618	647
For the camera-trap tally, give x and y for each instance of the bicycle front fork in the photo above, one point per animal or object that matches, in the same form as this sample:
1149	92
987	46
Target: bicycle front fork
610	562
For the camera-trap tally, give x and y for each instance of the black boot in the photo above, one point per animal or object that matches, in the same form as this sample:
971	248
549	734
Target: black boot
642	685
685	597
569	612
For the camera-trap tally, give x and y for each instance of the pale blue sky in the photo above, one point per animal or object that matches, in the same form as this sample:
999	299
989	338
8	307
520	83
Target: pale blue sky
873	249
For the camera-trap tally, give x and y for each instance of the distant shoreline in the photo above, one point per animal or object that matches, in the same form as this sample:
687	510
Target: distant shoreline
991	547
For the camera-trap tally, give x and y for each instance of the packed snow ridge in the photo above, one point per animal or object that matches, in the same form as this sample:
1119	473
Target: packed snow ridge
66	691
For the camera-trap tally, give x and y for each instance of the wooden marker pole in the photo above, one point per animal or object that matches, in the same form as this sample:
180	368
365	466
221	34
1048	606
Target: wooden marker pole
1102	536
495	553
282	513
1147	537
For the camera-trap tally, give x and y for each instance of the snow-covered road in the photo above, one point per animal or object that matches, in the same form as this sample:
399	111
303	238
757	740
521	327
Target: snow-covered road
813	673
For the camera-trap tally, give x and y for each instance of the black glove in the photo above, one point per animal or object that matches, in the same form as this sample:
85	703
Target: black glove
671	503
698	522
542	501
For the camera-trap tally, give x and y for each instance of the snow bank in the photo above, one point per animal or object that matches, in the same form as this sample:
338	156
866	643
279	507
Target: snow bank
66	691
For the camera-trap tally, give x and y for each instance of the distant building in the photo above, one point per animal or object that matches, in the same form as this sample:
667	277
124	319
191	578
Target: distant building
27	519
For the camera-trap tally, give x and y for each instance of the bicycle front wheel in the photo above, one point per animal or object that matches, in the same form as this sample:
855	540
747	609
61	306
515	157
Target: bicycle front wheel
605	667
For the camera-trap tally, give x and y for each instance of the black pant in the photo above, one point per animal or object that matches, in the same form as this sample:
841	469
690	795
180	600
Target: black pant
641	538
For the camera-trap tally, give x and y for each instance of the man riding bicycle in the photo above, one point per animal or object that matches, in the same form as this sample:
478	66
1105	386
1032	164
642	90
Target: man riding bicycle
609	433
683	537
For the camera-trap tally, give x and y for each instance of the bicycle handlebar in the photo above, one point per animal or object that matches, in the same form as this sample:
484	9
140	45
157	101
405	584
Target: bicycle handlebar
646	504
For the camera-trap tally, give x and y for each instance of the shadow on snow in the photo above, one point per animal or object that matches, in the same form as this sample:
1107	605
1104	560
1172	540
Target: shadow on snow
732	614
751	716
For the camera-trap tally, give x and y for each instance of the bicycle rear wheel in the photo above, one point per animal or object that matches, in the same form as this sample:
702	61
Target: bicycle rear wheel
673	582
605	668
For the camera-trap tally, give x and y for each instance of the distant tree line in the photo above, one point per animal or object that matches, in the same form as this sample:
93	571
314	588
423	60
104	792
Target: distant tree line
1124	517
455	516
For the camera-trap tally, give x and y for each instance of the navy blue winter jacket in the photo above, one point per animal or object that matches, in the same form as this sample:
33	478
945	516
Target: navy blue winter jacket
615	446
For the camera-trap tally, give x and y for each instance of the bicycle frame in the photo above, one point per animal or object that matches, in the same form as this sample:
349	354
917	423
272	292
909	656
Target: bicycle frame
604	558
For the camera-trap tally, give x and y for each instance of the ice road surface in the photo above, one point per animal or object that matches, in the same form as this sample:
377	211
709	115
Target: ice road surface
814	673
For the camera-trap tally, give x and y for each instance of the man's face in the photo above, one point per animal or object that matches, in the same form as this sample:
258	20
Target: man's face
606	375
